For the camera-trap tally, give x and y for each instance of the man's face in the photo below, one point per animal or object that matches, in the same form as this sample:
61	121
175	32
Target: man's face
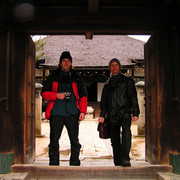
65	64
114	68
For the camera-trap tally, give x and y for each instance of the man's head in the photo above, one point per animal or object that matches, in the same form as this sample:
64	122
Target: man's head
65	61
115	66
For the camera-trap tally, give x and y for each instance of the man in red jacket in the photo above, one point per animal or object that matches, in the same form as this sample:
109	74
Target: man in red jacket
67	96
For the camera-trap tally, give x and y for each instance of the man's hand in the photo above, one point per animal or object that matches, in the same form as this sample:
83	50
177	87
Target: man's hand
60	96
135	118
101	119
81	116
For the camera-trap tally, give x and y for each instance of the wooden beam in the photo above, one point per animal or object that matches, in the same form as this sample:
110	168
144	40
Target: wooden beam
166	3
54	29
89	35
79	15
120	20
93	6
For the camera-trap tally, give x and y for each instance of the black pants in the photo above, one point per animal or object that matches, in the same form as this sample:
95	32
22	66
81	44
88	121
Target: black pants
56	127
121	144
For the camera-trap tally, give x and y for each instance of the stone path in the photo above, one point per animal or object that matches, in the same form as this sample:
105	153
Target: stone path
94	151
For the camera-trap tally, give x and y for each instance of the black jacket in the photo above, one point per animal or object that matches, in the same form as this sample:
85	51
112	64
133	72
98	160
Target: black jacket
119	98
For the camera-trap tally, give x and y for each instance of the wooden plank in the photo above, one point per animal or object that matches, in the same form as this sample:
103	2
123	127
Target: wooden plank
24	113
93	6
116	15
83	28
121	17
165	95
89	35
3	45
175	123
6	122
20	94
7	68
151	103
162	133
29	132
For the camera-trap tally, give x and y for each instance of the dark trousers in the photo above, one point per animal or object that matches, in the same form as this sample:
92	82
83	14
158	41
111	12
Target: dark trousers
121	143
56	127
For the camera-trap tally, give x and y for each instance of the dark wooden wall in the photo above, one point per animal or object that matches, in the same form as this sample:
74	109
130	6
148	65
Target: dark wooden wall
174	124
7	91
162	95
17	95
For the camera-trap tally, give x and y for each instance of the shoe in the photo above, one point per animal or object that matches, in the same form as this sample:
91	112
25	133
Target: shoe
74	163
126	163
118	164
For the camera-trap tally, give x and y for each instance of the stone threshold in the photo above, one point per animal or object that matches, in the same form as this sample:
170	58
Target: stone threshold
78	172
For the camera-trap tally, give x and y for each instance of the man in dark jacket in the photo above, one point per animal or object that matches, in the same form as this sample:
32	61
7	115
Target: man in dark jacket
67	96
119	105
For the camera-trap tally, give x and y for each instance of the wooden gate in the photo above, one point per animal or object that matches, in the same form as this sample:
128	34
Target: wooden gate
25	88
30	101
151	101
17	95
161	97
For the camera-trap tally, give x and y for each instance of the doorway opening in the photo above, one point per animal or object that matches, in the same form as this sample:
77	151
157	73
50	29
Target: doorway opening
94	81
92	91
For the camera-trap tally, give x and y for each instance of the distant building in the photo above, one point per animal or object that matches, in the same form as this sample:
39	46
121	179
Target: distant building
91	58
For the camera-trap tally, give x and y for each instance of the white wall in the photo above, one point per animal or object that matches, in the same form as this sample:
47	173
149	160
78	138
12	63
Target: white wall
99	91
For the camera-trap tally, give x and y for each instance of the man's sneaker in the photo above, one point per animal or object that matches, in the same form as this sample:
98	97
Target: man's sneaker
126	163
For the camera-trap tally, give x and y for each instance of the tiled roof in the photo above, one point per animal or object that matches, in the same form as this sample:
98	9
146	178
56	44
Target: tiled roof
96	52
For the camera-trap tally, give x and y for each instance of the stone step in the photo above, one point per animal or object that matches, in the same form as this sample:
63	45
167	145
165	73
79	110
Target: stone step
15	176
167	176
75	172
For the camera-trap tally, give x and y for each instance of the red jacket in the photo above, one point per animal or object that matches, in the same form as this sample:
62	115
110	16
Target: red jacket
51	97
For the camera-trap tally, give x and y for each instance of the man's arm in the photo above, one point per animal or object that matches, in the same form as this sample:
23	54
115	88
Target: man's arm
47	92
104	101
82	98
132	96
81	116
103	104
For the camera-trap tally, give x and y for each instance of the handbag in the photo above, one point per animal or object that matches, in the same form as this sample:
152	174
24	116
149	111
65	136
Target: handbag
103	130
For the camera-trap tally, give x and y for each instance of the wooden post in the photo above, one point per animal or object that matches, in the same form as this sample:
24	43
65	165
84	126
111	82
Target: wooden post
38	105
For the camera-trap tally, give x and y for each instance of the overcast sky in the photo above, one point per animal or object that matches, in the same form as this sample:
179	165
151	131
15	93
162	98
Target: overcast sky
139	37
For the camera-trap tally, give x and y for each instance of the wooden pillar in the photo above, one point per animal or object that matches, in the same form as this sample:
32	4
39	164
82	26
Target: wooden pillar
38	106
16	77
7	103
174	156
162	95
141	120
